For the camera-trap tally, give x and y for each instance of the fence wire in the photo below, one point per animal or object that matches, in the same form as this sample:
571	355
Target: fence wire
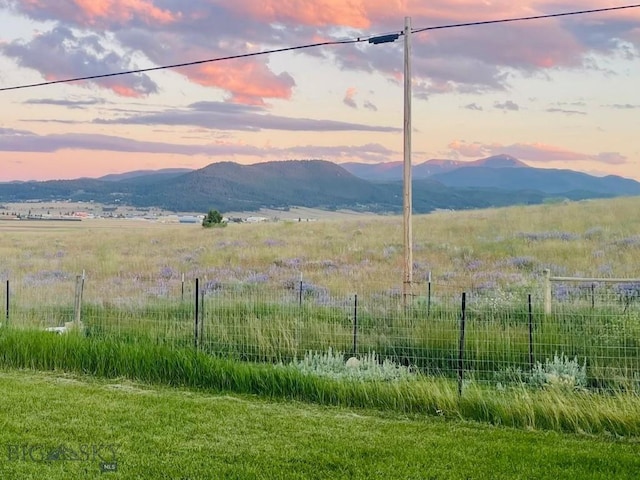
489	335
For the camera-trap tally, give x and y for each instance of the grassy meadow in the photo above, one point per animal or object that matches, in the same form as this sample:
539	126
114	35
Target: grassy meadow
147	431
271	292
506	247
555	407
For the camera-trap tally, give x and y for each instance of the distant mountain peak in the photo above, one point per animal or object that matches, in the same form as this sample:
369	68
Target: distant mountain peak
443	162
390	171
117	177
500	161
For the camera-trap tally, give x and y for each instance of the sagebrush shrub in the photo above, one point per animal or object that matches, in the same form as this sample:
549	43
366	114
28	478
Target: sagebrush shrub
368	367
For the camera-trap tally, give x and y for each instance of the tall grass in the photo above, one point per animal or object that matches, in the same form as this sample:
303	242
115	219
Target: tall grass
252	328
554	409
461	249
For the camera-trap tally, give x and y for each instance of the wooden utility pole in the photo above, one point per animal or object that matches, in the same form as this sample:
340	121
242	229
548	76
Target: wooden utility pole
408	236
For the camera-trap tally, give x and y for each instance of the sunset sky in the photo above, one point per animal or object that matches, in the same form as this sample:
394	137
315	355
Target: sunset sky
555	93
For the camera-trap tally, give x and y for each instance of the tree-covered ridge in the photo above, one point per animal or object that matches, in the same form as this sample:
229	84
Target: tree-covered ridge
316	184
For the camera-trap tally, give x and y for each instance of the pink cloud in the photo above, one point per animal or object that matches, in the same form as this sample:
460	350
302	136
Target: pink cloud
474	150
125	91
367	13
91	12
248	82
317	13
533	152
125	10
465	60
611	158
348	99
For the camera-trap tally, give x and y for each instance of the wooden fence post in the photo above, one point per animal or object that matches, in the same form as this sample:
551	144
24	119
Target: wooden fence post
77	308
355	325
547	291
7	304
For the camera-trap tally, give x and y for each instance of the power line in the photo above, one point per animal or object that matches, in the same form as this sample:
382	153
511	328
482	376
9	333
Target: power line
178	65
371	39
521	19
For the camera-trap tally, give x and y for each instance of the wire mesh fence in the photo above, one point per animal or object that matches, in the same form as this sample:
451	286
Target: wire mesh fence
489	335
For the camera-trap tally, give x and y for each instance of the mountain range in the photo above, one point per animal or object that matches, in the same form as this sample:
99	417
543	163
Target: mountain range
500	171
226	186
394	170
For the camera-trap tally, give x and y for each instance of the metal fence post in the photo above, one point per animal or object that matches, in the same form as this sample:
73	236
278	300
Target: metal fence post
197	304
530	333
461	344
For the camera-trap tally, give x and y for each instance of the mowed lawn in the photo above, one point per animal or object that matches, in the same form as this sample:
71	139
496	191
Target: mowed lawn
86	426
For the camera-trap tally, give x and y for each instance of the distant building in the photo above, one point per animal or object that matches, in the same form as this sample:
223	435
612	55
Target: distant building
256	219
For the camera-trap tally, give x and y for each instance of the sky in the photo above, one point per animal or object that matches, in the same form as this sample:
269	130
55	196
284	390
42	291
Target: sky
554	93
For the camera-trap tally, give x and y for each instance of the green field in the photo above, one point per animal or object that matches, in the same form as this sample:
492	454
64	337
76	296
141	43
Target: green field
559	403
167	433
232	403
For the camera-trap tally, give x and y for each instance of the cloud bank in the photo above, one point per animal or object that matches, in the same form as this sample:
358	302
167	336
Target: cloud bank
98	36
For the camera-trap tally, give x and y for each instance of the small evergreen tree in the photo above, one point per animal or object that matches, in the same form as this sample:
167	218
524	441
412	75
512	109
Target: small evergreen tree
212	219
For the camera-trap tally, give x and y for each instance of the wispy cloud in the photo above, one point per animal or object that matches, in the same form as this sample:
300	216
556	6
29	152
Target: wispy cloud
370	152
62	53
578	103
91	102
24	141
565	111
370	106
469	149
227	116
623	106
473	106
348	99
5	132
611	158
532	152
508	105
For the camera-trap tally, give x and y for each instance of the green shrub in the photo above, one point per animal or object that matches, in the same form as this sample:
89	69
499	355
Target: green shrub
561	372
213	219
367	368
